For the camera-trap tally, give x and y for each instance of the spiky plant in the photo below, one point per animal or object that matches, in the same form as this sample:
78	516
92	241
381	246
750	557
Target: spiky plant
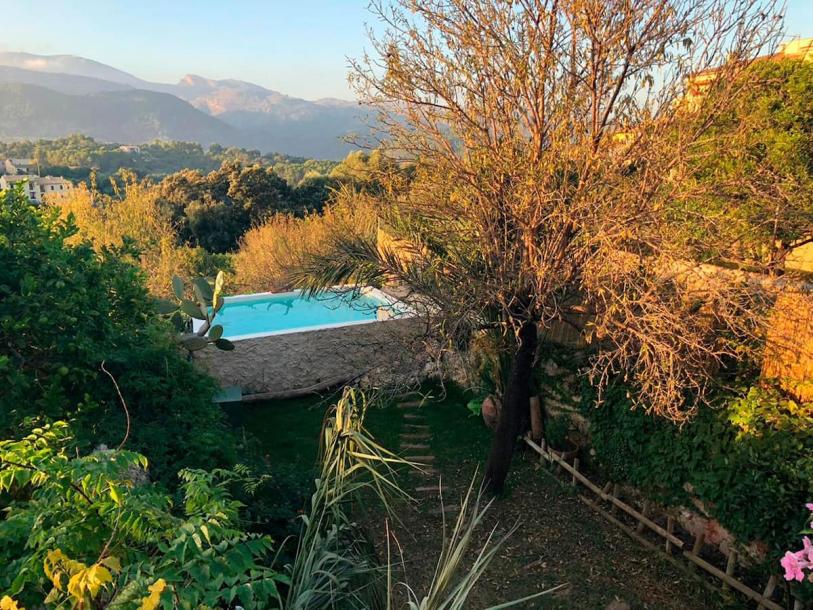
334	565
452	585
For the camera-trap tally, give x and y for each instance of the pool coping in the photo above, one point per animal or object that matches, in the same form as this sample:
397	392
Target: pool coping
366	290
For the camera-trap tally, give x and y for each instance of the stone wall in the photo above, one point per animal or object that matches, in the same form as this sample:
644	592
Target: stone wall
789	345
294	361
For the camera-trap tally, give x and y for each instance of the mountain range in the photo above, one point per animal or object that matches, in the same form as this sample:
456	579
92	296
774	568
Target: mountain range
50	96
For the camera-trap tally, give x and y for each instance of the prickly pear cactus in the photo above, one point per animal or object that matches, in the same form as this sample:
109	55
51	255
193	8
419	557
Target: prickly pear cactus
207	300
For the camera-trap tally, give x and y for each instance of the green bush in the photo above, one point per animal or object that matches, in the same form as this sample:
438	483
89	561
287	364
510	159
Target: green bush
89	532
66	309
750	459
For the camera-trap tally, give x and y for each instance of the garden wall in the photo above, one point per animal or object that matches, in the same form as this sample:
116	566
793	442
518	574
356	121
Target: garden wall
789	345
290	362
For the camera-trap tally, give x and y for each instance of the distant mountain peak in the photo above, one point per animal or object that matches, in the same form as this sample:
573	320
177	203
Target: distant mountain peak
205	110
69	64
194	81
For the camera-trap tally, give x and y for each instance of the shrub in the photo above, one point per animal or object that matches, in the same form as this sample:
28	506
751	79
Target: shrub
64	310
750	461
270	252
89	532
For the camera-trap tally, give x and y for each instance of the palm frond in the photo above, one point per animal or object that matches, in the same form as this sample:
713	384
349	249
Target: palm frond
334	563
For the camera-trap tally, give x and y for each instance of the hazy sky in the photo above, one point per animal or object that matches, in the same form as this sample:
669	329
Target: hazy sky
297	47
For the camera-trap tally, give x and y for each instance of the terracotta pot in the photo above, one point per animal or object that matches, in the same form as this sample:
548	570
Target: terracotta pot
492	407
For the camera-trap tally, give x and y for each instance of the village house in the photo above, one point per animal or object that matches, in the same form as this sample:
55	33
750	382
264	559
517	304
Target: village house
38	188
15	167
800	48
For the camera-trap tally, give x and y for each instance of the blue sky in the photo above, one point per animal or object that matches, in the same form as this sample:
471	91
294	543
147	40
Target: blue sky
299	48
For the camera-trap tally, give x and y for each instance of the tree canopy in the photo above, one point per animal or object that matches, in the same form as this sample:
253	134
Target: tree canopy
549	139
753	170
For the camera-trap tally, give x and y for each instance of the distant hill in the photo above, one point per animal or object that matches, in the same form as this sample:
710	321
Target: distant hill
64	83
129	109
278	121
30	111
70	64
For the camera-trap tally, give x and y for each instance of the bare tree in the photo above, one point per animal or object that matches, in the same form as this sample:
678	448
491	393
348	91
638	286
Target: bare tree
550	139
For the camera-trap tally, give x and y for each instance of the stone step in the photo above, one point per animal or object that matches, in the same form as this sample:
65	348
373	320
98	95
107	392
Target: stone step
418	436
447	508
414	446
417	427
424	489
409	404
414	417
427	472
420	459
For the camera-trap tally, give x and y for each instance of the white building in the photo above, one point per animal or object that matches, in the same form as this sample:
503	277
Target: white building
15	167
39	189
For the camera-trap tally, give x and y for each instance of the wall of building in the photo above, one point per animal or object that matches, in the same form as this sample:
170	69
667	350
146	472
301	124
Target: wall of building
789	344
295	361
801	259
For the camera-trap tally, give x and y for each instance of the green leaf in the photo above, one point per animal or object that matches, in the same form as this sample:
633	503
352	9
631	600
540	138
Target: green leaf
224	344
215	332
177	287
194	342
218	288
219	302
192	309
165	307
114	494
177	321
203	286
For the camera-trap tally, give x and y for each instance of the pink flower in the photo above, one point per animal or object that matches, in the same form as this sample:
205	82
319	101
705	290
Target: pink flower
794	566
807	551
809	506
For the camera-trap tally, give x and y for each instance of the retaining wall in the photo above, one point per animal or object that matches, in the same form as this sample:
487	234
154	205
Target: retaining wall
284	363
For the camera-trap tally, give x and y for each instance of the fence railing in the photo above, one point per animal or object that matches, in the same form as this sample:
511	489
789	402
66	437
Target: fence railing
672	547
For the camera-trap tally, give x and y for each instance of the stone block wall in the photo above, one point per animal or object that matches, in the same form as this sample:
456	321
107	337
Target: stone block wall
285	363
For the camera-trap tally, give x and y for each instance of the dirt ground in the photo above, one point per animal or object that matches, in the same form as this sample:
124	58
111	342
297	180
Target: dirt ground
558	541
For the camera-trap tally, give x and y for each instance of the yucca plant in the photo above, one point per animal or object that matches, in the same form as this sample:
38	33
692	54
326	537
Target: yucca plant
334	564
451	585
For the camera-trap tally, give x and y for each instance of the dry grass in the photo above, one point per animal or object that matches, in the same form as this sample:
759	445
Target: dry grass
135	214
270	253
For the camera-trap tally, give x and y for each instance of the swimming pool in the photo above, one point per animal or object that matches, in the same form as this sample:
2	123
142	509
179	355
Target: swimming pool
266	313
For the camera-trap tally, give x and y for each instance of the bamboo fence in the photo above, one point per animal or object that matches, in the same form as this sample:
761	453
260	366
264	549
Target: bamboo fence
671	546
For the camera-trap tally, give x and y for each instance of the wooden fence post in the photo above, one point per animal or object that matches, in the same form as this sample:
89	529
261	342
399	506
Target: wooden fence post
768	591
645	512
699	541
614	509
731	561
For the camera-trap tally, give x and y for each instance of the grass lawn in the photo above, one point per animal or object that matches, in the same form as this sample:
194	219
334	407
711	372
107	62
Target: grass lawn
558	539
289	430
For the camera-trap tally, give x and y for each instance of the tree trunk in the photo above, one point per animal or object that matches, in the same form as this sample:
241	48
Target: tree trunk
515	412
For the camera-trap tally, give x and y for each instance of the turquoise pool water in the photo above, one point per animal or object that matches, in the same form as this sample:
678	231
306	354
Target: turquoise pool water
263	314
